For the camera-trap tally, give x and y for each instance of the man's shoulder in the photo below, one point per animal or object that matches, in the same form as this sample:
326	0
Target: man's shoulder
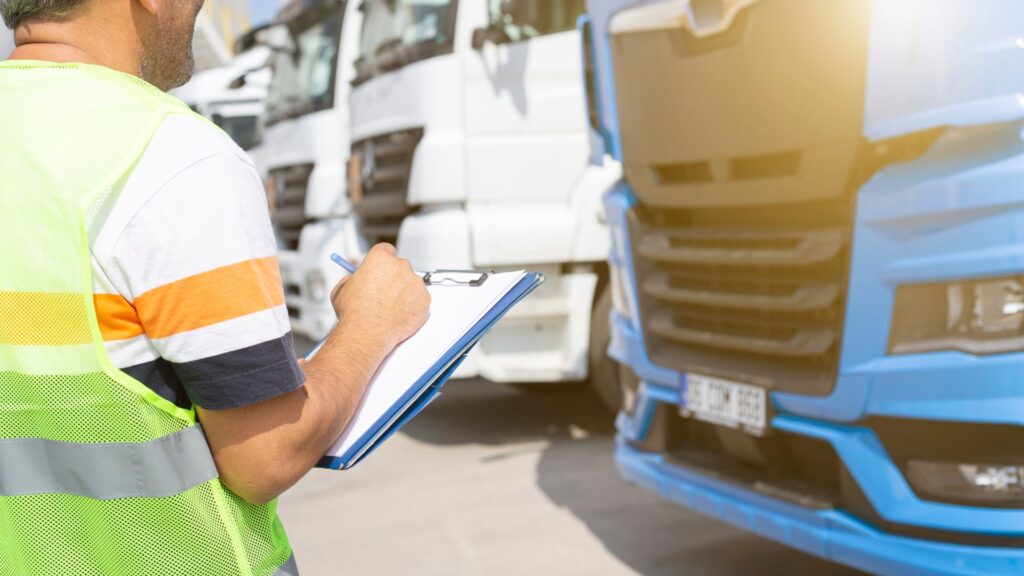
189	164
185	139
185	143
187	149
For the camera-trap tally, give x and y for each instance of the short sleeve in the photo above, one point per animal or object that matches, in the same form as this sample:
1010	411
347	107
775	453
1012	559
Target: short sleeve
197	262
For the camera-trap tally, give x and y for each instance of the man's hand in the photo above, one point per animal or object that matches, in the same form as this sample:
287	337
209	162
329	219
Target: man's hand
263	449
385	300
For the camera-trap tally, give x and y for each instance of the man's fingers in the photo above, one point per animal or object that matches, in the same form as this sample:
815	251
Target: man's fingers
385	247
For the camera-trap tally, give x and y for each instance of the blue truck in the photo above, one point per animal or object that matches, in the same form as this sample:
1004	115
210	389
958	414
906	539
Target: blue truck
818	265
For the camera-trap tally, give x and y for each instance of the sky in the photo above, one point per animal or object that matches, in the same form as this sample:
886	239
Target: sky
263	10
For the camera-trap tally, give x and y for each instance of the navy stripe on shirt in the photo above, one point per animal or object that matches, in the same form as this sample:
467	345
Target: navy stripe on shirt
231	380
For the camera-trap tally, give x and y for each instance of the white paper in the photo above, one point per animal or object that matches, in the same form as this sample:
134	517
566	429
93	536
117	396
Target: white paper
453	311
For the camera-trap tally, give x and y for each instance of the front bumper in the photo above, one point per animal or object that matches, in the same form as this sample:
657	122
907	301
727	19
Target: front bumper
829	534
832	533
858	448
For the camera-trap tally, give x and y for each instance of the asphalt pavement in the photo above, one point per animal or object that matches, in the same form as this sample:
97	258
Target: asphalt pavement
490	480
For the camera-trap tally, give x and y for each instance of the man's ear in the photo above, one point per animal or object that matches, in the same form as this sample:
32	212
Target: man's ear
151	6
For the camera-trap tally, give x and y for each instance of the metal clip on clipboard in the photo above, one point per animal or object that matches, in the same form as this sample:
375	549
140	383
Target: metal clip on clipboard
456	278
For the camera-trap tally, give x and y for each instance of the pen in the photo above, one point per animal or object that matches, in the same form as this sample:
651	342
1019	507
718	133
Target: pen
351	269
348	266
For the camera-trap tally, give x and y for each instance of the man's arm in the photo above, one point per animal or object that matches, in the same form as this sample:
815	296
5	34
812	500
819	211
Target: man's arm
263	449
190	248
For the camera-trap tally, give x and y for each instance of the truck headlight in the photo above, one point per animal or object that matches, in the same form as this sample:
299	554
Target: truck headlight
977	483
974	316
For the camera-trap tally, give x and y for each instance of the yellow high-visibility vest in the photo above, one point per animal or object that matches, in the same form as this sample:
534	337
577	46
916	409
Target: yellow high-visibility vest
99	475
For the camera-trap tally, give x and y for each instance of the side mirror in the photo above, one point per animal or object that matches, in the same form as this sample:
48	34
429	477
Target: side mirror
278	39
480	37
494	33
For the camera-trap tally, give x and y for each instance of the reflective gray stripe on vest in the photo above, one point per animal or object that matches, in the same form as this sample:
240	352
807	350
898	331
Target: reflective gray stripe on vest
288	569
162	467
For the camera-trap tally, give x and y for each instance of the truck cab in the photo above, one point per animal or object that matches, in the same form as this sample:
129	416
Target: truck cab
470	148
819	267
303	150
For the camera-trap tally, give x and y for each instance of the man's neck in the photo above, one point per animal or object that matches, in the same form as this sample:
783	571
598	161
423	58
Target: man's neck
62	42
52	52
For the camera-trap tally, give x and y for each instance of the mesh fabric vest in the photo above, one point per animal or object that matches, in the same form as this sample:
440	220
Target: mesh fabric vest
98	474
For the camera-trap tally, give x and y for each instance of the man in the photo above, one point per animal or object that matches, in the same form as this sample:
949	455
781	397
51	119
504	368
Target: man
139	298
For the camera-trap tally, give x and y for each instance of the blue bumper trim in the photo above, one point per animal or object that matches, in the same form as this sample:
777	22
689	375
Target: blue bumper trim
829	534
867	461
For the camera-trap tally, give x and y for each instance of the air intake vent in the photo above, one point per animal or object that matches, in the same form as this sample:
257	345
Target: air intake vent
765	166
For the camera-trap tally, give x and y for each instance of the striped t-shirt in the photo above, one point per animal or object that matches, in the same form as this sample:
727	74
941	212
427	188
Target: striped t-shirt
187	288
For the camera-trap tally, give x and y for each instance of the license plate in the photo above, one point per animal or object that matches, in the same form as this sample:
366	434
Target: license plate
724	402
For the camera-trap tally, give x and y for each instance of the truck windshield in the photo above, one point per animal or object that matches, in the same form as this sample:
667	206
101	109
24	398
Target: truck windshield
305	65
399	32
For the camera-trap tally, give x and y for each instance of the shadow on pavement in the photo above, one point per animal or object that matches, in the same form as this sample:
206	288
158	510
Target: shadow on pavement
654	536
576	471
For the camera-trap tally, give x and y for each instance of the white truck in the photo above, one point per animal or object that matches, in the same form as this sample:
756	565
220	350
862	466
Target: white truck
470	145
467	145
234	96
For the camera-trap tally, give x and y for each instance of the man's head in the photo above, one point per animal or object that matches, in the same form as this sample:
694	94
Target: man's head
158	31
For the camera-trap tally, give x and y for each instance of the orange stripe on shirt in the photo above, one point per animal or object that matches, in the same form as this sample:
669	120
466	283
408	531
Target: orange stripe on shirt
117	317
211	297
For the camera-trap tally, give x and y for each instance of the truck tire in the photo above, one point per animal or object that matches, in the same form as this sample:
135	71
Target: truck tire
605	373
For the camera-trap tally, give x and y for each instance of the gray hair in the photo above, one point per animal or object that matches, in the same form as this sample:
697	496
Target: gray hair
17	12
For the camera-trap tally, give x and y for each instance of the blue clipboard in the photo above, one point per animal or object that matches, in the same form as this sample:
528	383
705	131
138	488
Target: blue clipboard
426	389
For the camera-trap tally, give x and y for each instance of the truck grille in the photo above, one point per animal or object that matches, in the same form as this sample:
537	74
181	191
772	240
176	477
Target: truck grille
287	199
379	190
750	293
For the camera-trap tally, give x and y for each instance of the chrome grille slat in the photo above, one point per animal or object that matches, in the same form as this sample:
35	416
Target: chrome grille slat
807	296
816	246
288	203
806	342
383	205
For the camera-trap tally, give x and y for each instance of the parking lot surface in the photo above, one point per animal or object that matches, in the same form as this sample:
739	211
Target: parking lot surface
490	480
